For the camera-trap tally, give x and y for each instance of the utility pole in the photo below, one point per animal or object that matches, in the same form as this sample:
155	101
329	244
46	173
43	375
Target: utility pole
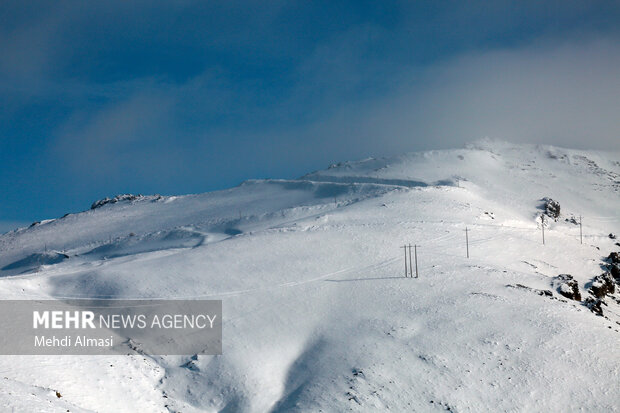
410	267
580	231
467	241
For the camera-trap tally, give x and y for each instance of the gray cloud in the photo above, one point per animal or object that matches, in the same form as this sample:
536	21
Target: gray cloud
560	93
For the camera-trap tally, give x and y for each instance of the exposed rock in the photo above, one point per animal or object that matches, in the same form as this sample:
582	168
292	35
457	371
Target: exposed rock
614	269
602	285
552	208
614	257
123	197
612	236
594	304
117	198
569	287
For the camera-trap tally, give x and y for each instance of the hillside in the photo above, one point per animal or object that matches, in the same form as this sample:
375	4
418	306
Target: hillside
318	315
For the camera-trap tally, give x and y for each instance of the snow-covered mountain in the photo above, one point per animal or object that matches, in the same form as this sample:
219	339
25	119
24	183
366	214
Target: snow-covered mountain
318	315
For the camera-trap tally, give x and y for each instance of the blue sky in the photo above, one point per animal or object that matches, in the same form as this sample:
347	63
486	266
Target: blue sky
100	98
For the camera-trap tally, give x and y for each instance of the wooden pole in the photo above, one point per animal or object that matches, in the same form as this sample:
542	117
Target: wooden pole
467	241
580	231
406	272
415	249
410	266
542	219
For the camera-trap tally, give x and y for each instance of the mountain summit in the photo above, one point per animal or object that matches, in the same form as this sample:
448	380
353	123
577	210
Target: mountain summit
318	313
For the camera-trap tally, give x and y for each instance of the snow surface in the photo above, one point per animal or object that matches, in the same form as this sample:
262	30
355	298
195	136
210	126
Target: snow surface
318	315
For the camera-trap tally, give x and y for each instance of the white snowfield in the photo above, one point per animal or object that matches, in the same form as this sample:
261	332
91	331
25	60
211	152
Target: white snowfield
318	315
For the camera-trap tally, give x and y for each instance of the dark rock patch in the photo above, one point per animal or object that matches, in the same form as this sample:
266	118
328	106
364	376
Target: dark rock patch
569	287
595	305
552	208
602	285
123	197
117	198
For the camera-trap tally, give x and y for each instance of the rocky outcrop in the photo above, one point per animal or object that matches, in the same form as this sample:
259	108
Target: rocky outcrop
552	208
602	285
595	305
614	265
123	197
569	287
117	198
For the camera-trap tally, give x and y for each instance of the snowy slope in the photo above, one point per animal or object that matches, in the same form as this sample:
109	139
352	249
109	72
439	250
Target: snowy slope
317	312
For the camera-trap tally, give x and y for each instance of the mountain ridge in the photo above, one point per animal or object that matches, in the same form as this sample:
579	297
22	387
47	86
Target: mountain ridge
318	314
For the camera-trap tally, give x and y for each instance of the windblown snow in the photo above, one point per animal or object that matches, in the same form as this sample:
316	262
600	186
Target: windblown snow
318	315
